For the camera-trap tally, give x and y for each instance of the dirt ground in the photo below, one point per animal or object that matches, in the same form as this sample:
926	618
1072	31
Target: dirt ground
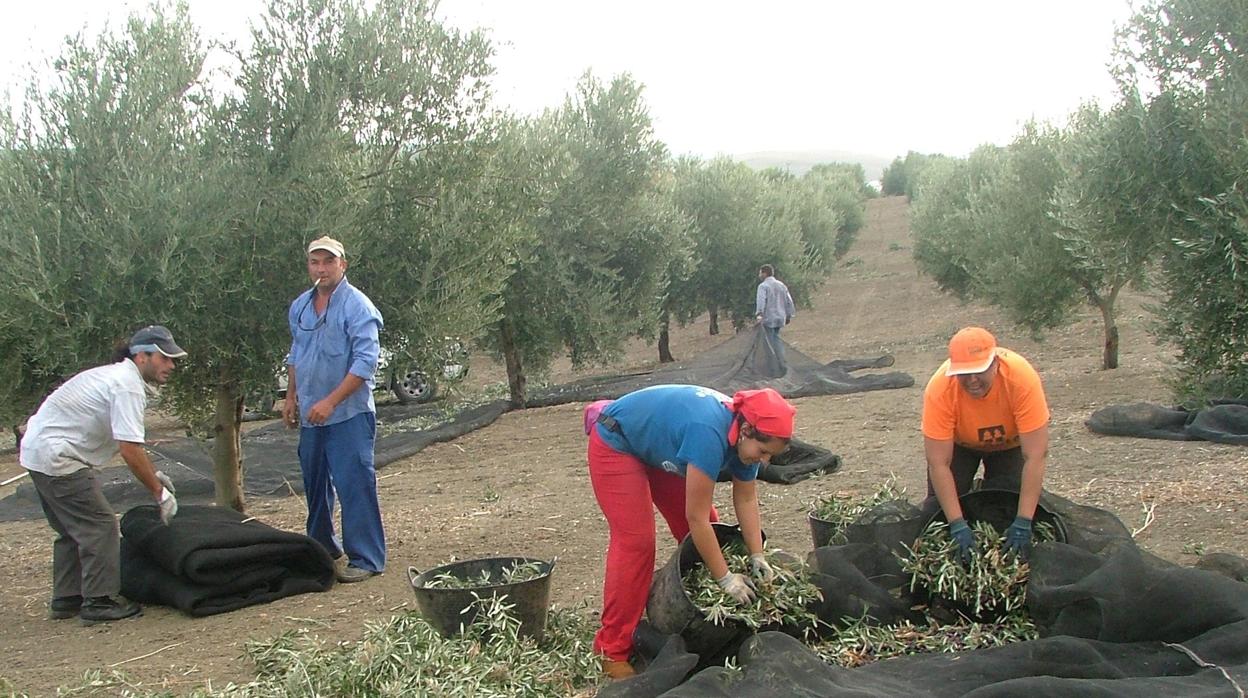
520	486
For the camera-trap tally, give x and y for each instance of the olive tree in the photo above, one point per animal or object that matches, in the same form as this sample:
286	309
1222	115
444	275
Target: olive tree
944	223
1105	204
1187	61
134	195
741	220
835	200
102	199
595	239
903	176
361	121
682	263
1018	258
1059	219
1076	215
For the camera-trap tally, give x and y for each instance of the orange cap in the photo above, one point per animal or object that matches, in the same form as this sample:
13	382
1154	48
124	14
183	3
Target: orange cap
971	351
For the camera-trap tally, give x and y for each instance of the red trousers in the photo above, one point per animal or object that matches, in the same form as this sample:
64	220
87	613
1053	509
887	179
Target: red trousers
628	492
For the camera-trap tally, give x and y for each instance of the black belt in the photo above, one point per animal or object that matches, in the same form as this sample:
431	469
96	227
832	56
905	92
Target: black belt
610	423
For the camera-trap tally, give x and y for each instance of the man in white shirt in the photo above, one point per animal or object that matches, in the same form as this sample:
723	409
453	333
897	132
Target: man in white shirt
77	429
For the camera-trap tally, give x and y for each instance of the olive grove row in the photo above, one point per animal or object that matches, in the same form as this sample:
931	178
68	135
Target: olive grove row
148	175
1149	192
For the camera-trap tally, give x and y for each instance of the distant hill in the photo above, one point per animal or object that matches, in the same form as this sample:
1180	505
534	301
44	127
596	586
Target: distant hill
798	162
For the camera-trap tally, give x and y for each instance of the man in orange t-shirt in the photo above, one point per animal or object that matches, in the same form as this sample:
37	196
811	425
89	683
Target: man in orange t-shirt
985	404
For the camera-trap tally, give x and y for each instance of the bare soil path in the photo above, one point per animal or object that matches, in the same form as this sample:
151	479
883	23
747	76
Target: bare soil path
520	486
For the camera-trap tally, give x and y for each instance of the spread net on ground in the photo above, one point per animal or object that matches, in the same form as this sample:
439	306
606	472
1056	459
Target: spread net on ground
1221	421
1107	619
271	464
743	362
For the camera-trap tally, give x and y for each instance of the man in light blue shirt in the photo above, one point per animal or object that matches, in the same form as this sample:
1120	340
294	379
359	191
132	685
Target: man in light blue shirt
333	356
773	309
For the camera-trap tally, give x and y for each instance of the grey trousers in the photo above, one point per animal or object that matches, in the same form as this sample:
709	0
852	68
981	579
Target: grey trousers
777	348
86	556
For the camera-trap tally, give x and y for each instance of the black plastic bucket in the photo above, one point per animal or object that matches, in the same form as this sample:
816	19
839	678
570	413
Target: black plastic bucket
451	610
672	612
999	507
821	530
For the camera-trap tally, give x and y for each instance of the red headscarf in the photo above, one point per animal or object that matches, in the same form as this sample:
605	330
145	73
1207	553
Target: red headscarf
766	409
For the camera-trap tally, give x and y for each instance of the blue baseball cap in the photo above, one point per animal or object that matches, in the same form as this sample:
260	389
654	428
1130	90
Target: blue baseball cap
156	338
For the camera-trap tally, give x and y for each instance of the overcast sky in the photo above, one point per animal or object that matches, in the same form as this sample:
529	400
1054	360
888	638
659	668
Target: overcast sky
734	77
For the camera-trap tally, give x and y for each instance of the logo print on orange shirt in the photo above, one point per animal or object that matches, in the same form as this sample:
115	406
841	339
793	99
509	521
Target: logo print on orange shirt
992	436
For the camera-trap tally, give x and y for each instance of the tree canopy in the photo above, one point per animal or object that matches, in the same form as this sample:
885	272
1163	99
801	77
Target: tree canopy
1186	61
135	189
134	195
1072	214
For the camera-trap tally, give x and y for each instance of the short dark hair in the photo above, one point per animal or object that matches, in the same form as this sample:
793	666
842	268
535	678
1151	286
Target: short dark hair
767	269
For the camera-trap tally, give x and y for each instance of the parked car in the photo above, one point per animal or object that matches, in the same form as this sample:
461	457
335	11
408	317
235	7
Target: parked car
408	382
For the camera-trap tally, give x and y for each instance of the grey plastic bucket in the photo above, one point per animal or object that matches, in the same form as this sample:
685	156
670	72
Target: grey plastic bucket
451	610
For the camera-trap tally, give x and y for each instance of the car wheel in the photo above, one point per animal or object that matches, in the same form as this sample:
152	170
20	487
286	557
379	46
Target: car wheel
413	386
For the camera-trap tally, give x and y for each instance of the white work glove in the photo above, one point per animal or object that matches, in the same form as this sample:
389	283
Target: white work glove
168	505
760	568
164	480
738	586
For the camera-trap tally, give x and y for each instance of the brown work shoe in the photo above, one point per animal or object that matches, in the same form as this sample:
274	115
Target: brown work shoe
617	669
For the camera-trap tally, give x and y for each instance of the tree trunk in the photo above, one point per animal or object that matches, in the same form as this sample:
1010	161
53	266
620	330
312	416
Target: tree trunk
17	440
227	467
1110	358
713	310
515	366
665	340
1111	347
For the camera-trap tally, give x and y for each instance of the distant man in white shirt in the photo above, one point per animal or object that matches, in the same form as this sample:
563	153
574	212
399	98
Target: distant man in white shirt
77	429
773	309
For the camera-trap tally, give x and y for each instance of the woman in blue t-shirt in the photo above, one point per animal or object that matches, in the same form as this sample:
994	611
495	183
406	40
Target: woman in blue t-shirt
665	447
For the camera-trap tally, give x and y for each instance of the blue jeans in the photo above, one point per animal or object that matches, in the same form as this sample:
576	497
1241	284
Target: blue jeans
338	458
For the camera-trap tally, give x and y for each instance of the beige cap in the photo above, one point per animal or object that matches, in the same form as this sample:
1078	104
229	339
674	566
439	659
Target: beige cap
328	244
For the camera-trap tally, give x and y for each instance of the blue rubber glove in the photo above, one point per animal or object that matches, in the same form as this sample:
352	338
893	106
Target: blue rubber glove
964	537
1018	537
